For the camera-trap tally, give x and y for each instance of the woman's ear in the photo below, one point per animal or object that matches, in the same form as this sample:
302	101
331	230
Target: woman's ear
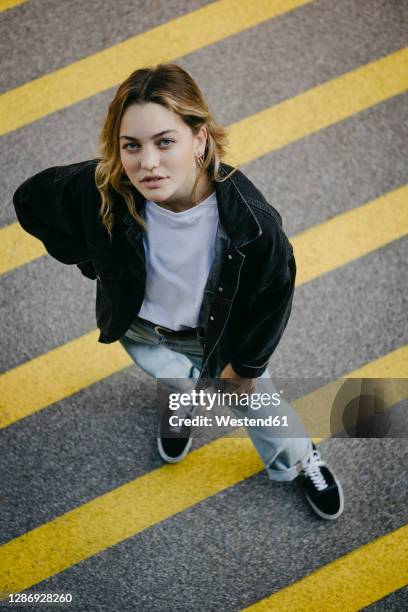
202	140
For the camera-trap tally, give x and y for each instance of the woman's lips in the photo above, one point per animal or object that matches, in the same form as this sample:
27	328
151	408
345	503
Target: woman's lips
154	183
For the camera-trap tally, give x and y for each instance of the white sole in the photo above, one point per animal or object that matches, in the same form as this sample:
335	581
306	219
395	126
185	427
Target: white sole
166	457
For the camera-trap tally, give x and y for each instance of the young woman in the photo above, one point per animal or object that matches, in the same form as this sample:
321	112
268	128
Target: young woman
195	275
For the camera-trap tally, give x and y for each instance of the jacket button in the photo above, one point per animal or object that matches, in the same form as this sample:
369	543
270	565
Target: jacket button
211	318
229	256
220	288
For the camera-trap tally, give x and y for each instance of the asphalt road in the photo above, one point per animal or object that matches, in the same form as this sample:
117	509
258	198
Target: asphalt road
255	538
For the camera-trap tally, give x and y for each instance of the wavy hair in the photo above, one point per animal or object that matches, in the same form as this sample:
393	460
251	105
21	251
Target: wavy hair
172	87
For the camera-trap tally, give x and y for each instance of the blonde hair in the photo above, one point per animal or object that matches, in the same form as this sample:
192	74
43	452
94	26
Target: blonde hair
172	87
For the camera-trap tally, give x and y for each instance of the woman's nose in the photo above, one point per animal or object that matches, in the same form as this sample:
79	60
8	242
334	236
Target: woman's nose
149	158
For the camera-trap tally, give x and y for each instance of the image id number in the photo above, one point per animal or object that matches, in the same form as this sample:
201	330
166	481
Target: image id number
40	598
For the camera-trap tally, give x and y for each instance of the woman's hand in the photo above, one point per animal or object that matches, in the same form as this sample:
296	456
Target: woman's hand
236	384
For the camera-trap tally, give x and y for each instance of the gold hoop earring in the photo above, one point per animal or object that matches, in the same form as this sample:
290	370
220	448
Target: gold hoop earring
200	160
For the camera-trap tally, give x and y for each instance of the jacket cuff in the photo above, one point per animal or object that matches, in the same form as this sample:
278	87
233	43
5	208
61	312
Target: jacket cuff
87	269
247	371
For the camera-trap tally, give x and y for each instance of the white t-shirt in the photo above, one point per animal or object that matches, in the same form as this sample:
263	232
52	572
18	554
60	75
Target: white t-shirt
180	249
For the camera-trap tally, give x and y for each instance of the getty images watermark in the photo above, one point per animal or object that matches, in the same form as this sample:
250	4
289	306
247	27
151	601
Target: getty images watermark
209	400
293	407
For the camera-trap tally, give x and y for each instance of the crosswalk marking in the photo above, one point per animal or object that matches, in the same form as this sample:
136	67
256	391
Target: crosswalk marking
141	503
269	130
107	68
350	582
65	370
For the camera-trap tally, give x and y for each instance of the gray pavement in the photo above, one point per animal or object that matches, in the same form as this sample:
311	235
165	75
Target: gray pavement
257	537
243	543
103	436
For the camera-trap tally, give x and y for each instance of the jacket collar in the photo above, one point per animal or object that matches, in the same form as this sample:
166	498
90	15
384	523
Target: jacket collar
236	216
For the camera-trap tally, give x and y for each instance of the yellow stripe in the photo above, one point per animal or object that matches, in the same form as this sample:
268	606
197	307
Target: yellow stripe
42	386
57	374
334	243
349	583
137	505
18	247
391	385
5	5
268	130
319	107
109	67
65	370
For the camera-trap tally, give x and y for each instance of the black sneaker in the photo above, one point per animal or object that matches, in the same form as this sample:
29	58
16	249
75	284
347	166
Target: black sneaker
174	441
322	489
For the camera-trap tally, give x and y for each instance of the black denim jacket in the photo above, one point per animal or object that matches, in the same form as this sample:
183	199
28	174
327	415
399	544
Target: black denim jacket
248	297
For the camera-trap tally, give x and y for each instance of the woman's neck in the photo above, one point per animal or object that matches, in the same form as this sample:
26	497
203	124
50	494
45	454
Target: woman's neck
204	189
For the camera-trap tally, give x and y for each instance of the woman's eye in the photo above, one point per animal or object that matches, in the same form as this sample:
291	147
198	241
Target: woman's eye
164	141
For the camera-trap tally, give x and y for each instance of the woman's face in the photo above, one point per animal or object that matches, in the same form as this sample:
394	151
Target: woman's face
155	141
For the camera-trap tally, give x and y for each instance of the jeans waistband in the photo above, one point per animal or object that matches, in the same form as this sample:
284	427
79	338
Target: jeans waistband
191	332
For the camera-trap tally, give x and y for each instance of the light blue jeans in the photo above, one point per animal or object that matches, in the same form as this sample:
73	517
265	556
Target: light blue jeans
179	362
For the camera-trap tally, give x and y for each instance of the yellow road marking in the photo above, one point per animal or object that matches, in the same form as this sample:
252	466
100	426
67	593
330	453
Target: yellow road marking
5	5
142	503
391	372
336	576
105	69
270	129
346	237
57	374
319	107
65	370
350	582
18	247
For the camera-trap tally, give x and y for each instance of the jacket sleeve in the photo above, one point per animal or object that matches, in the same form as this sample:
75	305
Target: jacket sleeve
269	314
48	206
87	268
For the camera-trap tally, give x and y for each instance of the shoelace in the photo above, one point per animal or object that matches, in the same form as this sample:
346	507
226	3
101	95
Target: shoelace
311	467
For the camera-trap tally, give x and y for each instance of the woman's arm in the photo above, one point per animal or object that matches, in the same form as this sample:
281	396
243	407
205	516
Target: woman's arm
48	206
87	268
263	326
235	383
